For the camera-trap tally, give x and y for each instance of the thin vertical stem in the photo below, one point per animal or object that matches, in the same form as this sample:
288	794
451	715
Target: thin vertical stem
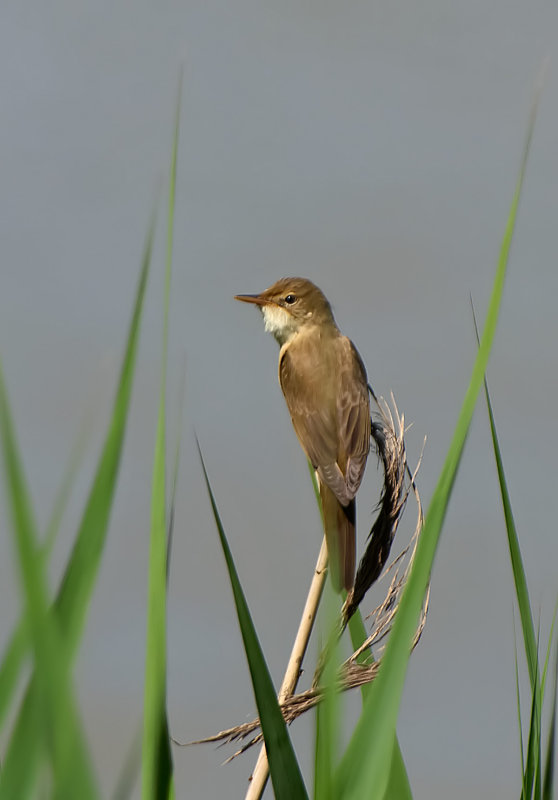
292	673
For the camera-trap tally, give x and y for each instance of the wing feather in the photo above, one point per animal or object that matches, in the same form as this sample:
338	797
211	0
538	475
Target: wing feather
325	387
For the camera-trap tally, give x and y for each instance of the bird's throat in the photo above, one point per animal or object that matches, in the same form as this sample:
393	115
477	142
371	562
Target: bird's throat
280	323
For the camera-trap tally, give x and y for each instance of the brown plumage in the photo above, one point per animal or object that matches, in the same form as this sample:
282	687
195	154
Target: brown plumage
325	386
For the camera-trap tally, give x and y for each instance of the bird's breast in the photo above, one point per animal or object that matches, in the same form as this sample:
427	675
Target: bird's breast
311	361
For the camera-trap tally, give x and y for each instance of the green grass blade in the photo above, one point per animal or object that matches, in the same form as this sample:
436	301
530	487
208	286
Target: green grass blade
328	718
174	478
328	712
532	765
57	716
532	773
80	575
367	760
548	784
157	780
548	648
130	769
323	749
519	720
398	787
79	578
60	504
19	773
520	580
11	667
18	644
284	770
358	635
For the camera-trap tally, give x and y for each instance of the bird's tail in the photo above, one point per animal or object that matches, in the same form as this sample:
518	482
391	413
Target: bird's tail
339	527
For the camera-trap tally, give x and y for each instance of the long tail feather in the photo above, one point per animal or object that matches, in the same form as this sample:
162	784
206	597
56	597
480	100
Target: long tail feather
339	526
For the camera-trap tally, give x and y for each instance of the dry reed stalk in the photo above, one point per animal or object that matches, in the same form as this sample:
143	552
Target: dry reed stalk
260	774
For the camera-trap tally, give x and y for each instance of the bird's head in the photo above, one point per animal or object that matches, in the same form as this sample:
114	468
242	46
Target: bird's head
290	305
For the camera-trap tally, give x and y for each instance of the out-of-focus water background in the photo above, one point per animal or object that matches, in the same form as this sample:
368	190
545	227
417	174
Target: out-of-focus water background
374	148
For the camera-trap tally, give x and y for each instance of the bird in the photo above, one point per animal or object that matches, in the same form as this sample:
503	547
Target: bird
325	386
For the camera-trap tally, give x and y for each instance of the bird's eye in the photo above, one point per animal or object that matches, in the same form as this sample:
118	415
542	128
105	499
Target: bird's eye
290	299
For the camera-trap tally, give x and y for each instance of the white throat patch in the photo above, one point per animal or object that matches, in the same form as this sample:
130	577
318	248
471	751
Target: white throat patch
279	322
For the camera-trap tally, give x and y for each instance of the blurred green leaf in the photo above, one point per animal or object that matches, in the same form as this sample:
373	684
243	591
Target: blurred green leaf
283	767
398	787
81	573
531	778
57	719
548	785
520	580
328	712
367	760
548	648
129	770
174	478
532	769
18	643
157	780
17	777
519	719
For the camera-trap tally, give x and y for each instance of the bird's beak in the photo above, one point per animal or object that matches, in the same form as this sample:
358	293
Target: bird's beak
257	299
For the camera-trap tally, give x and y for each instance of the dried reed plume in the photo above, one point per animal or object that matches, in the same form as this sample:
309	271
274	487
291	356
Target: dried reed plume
388	429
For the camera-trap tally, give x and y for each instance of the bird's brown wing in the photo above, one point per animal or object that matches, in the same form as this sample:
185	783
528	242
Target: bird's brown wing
353	416
327	396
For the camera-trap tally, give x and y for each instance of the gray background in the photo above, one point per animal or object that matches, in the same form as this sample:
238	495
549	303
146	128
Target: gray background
372	147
